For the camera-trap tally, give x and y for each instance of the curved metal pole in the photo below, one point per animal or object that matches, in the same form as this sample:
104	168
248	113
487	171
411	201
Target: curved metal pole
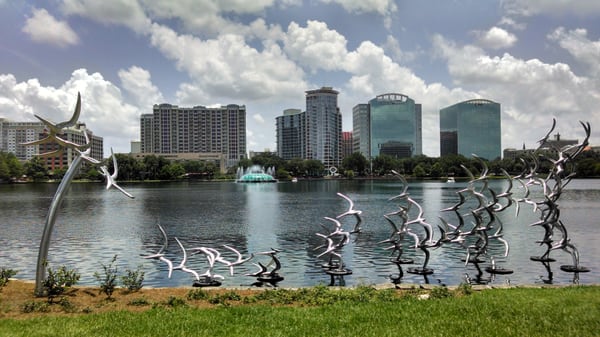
50	219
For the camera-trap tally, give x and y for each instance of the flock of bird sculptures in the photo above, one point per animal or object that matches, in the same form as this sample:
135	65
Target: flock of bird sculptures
476	221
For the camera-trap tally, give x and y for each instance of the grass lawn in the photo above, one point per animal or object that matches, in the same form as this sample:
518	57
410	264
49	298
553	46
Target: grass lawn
316	311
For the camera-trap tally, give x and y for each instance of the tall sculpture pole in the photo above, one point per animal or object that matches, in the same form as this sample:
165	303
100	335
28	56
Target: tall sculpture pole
55	130
50	220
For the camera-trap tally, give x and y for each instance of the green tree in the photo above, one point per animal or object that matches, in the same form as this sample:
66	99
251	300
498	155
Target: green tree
58	173
14	165
355	162
193	166
268	159
282	174
153	166
172	171
313	168
10	167
36	169
4	170
245	163
129	167
384	164
93	174
419	171
436	170
296	167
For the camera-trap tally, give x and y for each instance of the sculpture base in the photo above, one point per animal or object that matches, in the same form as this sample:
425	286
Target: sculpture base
273	278
574	269
420	271
542	259
338	272
402	261
208	282
474	260
330	266
501	271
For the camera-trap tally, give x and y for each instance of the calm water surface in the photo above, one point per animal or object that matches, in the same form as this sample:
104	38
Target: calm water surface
93	225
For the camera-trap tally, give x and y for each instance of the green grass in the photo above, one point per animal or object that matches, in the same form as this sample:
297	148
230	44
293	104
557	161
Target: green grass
320	311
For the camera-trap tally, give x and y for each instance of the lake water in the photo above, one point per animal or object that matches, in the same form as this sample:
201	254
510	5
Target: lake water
93	225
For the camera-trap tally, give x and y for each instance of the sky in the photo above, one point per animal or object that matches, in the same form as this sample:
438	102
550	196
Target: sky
540	59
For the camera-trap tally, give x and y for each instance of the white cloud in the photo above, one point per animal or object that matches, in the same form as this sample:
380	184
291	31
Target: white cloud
577	44
228	67
393	49
258	118
207	18
495	38
510	22
136	81
551	8
382	7
103	109
44	28
315	46
118	12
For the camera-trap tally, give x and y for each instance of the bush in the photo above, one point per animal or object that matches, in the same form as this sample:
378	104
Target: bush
134	279
35	306
197	294
57	282
108	280
440	292
6	274
174	301
138	302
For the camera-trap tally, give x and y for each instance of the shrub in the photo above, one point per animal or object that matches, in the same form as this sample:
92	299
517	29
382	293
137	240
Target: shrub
133	279
57	282
66	305
108	280
35	306
197	294
175	301
440	292
225	297
139	302
6	274
464	289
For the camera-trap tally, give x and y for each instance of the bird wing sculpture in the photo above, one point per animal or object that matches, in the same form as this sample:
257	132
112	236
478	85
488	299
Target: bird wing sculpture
111	179
160	255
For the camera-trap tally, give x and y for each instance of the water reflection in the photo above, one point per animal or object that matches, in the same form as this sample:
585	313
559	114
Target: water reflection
94	224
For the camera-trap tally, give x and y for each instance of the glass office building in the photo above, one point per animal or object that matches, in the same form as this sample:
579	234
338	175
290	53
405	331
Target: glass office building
471	127
395	126
323	134
290	130
361	129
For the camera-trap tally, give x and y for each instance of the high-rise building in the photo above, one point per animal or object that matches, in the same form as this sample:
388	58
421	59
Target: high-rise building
395	126
471	127
14	134
290	130
323	134
347	148
361	130
174	130
65	157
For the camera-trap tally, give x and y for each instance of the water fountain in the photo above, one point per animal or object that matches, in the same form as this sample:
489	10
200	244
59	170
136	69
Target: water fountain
255	174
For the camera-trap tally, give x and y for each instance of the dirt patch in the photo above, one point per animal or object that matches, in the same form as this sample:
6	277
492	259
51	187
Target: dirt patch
17	300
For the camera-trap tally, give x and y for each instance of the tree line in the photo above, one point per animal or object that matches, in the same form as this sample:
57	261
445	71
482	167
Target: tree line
152	167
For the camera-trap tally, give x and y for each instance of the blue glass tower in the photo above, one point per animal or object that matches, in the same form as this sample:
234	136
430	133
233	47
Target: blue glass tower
395	126
471	127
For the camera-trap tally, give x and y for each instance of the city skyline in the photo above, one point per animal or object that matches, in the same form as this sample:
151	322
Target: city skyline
538	59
